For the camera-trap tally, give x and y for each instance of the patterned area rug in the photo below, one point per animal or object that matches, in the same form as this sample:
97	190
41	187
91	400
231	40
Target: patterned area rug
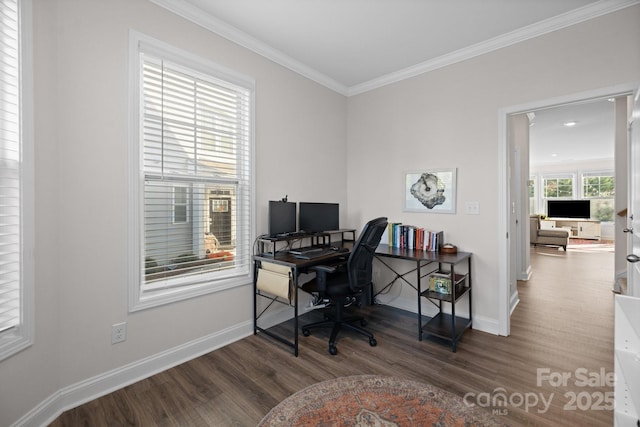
371	400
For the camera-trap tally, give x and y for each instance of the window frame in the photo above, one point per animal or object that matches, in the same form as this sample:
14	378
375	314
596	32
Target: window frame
177	205
558	176
533	198
138	300
20	337
599	201
598	174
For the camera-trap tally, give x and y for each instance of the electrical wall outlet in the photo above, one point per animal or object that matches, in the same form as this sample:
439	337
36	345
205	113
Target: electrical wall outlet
118	332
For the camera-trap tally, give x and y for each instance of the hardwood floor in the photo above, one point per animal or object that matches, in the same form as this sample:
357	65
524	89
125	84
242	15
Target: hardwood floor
564	322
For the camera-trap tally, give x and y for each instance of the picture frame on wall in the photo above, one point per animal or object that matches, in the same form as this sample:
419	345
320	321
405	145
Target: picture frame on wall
432	190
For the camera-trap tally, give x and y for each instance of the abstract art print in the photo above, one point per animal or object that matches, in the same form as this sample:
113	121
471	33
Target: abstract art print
431	190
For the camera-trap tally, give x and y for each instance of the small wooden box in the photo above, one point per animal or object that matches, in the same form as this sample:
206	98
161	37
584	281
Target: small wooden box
449	249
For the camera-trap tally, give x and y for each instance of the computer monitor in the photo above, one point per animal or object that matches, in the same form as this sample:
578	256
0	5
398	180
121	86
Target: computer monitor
317	217
282	218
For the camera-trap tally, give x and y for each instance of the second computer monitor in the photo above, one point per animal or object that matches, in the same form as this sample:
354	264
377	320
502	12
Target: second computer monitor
317	217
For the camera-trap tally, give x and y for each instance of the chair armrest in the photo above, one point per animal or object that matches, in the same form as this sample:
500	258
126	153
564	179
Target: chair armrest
324	269
321	275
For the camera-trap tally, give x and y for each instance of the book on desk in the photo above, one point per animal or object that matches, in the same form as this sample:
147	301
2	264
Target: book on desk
412	237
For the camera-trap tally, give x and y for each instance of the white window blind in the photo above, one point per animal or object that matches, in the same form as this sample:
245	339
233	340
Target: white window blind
195	156
10	169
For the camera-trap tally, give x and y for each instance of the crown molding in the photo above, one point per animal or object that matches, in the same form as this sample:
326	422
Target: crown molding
559	22
229	32
211	23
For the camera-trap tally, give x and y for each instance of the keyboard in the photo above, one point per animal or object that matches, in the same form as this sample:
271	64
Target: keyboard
314	253
307	250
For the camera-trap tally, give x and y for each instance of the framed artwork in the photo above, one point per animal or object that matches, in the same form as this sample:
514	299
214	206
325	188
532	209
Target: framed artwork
430	190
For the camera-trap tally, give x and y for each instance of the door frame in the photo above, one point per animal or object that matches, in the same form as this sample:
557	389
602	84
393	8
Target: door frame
506	260
633	222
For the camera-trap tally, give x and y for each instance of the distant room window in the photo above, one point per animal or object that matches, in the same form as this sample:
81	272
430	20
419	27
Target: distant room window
533	195
558	187
597	185
600	188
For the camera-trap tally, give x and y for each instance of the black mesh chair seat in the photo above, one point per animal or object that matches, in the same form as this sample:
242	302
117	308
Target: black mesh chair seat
344	284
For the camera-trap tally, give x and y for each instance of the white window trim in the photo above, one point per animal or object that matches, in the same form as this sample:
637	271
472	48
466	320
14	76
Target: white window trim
563	175
136	300
598	172
21	337
535	197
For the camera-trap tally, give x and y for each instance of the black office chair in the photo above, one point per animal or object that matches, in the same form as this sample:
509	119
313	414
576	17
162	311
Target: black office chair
345	284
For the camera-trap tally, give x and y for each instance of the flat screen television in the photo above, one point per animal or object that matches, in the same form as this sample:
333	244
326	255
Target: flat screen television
569	209
317	217
282	218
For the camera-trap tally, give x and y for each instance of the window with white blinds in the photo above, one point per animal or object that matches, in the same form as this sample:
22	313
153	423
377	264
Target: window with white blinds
14	317
194	178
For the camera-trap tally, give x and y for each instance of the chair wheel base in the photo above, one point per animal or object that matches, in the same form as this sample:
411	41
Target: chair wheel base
306	332
333	350
373	342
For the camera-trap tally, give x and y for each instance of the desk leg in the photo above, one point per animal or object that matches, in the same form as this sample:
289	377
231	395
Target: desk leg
470	289
295	313
419	303
454	337
255	298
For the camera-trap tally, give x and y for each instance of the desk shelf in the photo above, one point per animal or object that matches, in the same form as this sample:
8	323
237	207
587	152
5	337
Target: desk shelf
459	289
442	325
268	246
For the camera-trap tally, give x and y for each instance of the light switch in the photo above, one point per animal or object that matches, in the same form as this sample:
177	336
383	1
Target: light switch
472	208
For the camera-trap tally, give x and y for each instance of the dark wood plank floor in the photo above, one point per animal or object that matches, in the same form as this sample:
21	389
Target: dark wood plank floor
564	322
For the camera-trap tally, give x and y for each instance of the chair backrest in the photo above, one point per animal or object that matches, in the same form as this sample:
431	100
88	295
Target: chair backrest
360	262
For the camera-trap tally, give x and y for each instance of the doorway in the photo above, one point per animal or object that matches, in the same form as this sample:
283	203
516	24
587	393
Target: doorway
220	219
572	165
508	196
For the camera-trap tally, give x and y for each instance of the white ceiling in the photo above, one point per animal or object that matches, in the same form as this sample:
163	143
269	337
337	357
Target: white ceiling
352	46
591	139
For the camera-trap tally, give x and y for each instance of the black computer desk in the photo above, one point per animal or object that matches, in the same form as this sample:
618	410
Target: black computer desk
297	266
443	325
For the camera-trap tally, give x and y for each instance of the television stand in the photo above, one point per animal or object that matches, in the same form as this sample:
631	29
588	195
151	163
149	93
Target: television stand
578	227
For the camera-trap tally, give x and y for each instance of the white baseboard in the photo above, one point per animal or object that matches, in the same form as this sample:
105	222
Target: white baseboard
92	388
76	394
620	285
515	300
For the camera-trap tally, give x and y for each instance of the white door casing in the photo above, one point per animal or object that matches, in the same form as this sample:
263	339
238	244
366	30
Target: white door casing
633	267
504	149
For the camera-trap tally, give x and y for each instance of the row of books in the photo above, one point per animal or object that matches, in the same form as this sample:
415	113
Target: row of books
412	237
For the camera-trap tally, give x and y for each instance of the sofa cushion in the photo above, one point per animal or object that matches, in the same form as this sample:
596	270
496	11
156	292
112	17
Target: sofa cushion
554	232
